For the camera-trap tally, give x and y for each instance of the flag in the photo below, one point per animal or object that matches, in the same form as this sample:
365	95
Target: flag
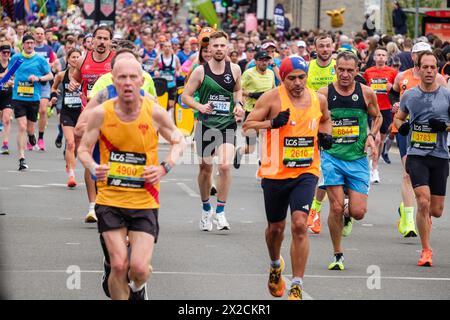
42	7
206	9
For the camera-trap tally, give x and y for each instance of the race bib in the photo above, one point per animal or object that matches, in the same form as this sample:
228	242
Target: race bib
422	137
379	86
298	152
345	130
221	104
126	169
72	100
168	76
25	89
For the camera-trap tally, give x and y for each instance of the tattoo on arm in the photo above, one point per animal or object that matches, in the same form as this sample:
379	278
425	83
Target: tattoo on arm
102	96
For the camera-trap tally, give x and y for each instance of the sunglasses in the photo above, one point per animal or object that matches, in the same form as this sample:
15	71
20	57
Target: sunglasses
283	48
6	52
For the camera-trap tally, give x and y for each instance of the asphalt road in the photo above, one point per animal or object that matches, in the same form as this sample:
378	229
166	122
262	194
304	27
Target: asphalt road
48	252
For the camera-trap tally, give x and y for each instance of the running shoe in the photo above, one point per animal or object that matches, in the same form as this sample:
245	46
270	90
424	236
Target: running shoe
22	165
71	183
41	144
58	141
105	277
140	295
316	225
276	283
237	159
5	149
401	221
221	222
206	221
385	157
375	176
338	262
410	227
213	191
29	147
49	112
426	259
311	217
91	217
295	293
348	226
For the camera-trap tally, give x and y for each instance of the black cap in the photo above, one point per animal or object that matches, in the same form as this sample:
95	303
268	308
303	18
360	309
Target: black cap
262	55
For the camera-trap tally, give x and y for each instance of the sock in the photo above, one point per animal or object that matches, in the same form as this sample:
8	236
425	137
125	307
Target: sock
339	256
387	145
220	206
91	206
316	205
409	213
275	264
71	173
41	135
32	139
297	281
206	205
134	288
60	132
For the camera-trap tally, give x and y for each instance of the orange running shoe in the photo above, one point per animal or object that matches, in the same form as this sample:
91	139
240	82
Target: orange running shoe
276	283
311	217
71	183
316	227
426	259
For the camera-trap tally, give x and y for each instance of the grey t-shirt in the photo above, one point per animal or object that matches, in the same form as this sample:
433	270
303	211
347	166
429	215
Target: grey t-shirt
422	106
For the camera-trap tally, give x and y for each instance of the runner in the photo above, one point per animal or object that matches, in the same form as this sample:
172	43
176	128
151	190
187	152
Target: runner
45	51
169	67
26	93
381	79
6	108
255	81
427	163
403	82
70	112
218	83
297	120
320	74
128	177
345	166
89	68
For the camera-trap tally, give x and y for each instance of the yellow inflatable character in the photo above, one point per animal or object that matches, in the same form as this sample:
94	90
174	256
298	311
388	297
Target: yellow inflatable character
337	17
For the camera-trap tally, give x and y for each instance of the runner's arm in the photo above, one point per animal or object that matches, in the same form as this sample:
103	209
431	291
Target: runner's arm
57	81
325	125
82	122
195	81
89	139
400	118
373	110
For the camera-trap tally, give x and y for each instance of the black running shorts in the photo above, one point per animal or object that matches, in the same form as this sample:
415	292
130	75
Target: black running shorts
112	218
69	119
297	193
387	120
29	109
207	139
428	171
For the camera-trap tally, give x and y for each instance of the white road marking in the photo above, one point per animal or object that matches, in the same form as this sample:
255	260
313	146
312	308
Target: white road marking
367	225
72	243
188	190
200	274
30	186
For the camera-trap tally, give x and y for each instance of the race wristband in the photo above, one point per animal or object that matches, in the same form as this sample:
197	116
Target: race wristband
92	168
53	95
372	135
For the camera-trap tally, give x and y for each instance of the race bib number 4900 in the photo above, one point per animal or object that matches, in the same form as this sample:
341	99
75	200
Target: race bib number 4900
126	169
345	130
298	152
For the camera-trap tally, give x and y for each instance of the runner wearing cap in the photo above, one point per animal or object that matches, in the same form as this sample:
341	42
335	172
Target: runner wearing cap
255	82
296	122
270	47
403	82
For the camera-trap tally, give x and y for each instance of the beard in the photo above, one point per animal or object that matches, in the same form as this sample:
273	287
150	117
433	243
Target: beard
219	58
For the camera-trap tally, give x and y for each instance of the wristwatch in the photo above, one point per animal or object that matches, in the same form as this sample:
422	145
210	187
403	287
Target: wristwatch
241	104
166	166
372	135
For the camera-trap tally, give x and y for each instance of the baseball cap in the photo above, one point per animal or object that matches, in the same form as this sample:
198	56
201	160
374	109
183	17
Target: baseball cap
262	55
267	45
301	43
420	47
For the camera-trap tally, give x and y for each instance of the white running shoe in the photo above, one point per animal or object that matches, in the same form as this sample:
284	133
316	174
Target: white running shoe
206	221
375	176
221	222
91	217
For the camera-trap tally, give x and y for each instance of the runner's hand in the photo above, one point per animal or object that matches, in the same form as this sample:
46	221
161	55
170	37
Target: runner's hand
101	172
239	114
395	107
205	108
404	129
281	119
153	174
437	125
370	143
73	85
33	78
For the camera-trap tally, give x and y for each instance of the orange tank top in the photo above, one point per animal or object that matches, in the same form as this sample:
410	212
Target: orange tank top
293	150
127	147
408	82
